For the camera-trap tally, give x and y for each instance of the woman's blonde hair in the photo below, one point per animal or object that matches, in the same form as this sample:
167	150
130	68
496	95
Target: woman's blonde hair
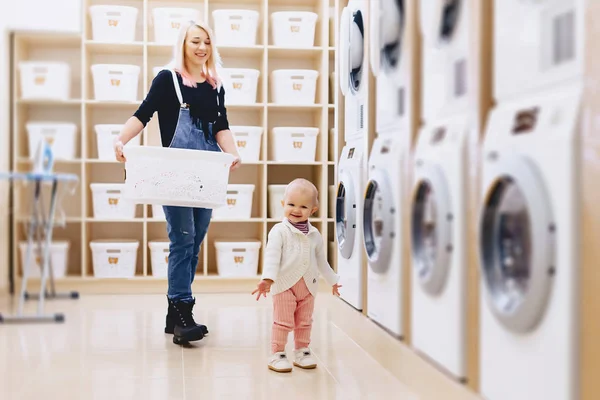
210	67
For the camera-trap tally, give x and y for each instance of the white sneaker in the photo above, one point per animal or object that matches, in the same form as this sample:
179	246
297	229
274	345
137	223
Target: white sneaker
280	363
304	359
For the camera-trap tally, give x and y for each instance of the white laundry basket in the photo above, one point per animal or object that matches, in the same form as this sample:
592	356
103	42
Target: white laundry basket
114	258
294	144
159	257
114	24
45	80
241	85
116	82
294	28
239	203
158	212
294	86
176	177
276	193
60	137
247	139
59	255
105	136
109	202
235	27
168	20
237	258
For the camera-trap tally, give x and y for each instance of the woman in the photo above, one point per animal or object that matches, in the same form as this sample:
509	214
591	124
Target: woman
189	101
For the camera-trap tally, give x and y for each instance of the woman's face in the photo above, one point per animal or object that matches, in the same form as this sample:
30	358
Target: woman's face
197	46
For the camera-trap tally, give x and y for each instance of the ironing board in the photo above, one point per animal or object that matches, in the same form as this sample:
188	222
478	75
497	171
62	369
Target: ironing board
39	233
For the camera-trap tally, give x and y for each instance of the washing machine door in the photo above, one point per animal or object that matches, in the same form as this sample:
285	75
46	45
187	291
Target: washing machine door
431	227
378	221
344	50
439	19
345	214
387	34
355	68
516	243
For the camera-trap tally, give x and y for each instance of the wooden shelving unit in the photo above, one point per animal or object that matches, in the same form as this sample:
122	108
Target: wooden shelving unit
81	51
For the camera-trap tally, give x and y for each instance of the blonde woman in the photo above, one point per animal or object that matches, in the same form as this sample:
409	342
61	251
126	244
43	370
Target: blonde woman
190	103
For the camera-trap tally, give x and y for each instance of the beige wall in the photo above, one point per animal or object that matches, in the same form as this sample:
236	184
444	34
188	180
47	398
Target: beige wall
51	15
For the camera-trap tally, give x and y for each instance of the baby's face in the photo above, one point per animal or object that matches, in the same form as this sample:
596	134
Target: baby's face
299	205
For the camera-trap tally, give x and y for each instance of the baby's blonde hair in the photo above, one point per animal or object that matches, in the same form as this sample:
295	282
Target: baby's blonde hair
303	184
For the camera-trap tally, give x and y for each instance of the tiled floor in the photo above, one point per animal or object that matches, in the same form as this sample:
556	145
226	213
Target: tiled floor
112	347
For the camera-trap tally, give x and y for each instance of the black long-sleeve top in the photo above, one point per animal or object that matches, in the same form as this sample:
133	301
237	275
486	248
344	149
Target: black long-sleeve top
202	101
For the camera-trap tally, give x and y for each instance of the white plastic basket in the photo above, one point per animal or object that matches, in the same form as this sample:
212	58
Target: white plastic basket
158	212
109	202
168	21
237	258
294	28
114	24
116	82
247	139
235	27
176	177
159	257
239	203
45	80
294	144
60	137
59	254
105	136
294	86
276	193
114	258
240	85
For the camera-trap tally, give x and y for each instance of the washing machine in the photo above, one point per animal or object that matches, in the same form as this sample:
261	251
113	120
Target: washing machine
383	235
348	222
439	244
353	68
389	63
537	44
444	26
528	244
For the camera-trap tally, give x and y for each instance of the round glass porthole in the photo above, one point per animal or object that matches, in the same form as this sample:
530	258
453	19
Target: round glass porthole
378	222
391	29
517	245
450	14
345	218
357	50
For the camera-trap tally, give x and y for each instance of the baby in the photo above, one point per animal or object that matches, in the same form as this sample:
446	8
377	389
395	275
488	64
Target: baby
293	258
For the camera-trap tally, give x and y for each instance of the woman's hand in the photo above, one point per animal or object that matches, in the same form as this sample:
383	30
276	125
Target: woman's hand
235	164
118	146
263	288
335	290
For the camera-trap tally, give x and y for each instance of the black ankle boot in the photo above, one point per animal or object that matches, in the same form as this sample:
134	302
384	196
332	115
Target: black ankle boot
186	330
172	316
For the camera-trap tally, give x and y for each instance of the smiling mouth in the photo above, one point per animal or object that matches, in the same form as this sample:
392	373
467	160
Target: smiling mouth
201	54
296	216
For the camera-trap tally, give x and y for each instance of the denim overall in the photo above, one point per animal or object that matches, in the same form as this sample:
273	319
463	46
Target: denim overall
186	226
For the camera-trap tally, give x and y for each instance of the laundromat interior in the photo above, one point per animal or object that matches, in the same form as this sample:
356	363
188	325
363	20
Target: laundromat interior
455	149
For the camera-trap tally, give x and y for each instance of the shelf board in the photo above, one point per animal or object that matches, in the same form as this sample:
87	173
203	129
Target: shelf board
49	102
241	107
236	220
115	220
158	49
294	163
293	107
49	38
67	220
295	52
102	103
135	48
27	160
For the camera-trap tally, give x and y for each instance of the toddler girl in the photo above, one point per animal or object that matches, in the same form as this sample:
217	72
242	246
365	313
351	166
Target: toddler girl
294	256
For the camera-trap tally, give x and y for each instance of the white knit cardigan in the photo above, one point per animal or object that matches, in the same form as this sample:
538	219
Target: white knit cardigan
291	255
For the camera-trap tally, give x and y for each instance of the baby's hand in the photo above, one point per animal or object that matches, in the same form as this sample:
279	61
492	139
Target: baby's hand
335	288
263	288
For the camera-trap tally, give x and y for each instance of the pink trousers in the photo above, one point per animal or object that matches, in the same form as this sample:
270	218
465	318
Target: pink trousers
292	310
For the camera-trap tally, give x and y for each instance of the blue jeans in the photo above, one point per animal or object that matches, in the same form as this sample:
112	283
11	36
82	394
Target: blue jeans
186	226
